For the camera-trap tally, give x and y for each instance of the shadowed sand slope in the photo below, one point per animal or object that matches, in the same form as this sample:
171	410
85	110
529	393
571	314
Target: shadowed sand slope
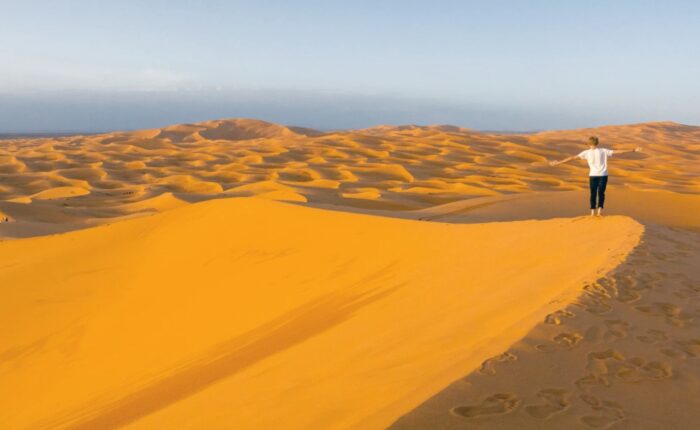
624	355
87	180
247	313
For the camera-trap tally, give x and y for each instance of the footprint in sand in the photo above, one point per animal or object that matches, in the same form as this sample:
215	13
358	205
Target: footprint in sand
691	347
683	349
497	404
488	366
617	329
596	299
555	401
673	353
599	290
561	341
609	365
599	364
653	336
688	290
625	287
556	317
597	306
639	370
649	281
567	340
686	294
627	294
607	413
607	282
670	312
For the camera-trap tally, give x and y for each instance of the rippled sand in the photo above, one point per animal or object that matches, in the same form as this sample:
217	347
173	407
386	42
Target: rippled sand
65	183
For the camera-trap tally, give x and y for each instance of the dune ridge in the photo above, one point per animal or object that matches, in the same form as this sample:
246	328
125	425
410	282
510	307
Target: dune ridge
240	302
624	355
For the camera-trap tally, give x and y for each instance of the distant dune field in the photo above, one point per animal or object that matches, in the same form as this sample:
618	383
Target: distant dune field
84	180
242	274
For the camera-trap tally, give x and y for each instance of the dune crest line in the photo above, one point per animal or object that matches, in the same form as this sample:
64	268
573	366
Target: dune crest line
204	314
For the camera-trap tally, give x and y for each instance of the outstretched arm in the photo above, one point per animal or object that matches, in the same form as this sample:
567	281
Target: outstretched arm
637	149
566	160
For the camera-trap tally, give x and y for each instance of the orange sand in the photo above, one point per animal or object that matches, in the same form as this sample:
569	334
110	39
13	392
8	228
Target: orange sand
59	184
185	308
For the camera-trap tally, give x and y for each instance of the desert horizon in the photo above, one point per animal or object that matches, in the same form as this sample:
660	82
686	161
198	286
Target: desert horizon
309	215
16	134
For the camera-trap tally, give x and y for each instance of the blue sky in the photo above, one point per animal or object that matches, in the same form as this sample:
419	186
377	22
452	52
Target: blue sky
510	65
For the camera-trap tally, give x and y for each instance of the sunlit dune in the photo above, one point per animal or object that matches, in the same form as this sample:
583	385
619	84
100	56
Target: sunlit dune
204	315
383	167
249	275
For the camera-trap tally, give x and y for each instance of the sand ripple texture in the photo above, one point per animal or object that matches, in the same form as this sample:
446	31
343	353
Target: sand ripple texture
64	183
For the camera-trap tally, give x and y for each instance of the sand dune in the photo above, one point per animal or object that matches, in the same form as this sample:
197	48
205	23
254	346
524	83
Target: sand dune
380	291
247	303
380	168
622	356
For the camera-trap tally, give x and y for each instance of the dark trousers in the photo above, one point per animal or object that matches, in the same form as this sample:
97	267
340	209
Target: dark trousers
597	185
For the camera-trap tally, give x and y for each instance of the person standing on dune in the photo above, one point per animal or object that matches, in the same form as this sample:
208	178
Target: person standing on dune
598	174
